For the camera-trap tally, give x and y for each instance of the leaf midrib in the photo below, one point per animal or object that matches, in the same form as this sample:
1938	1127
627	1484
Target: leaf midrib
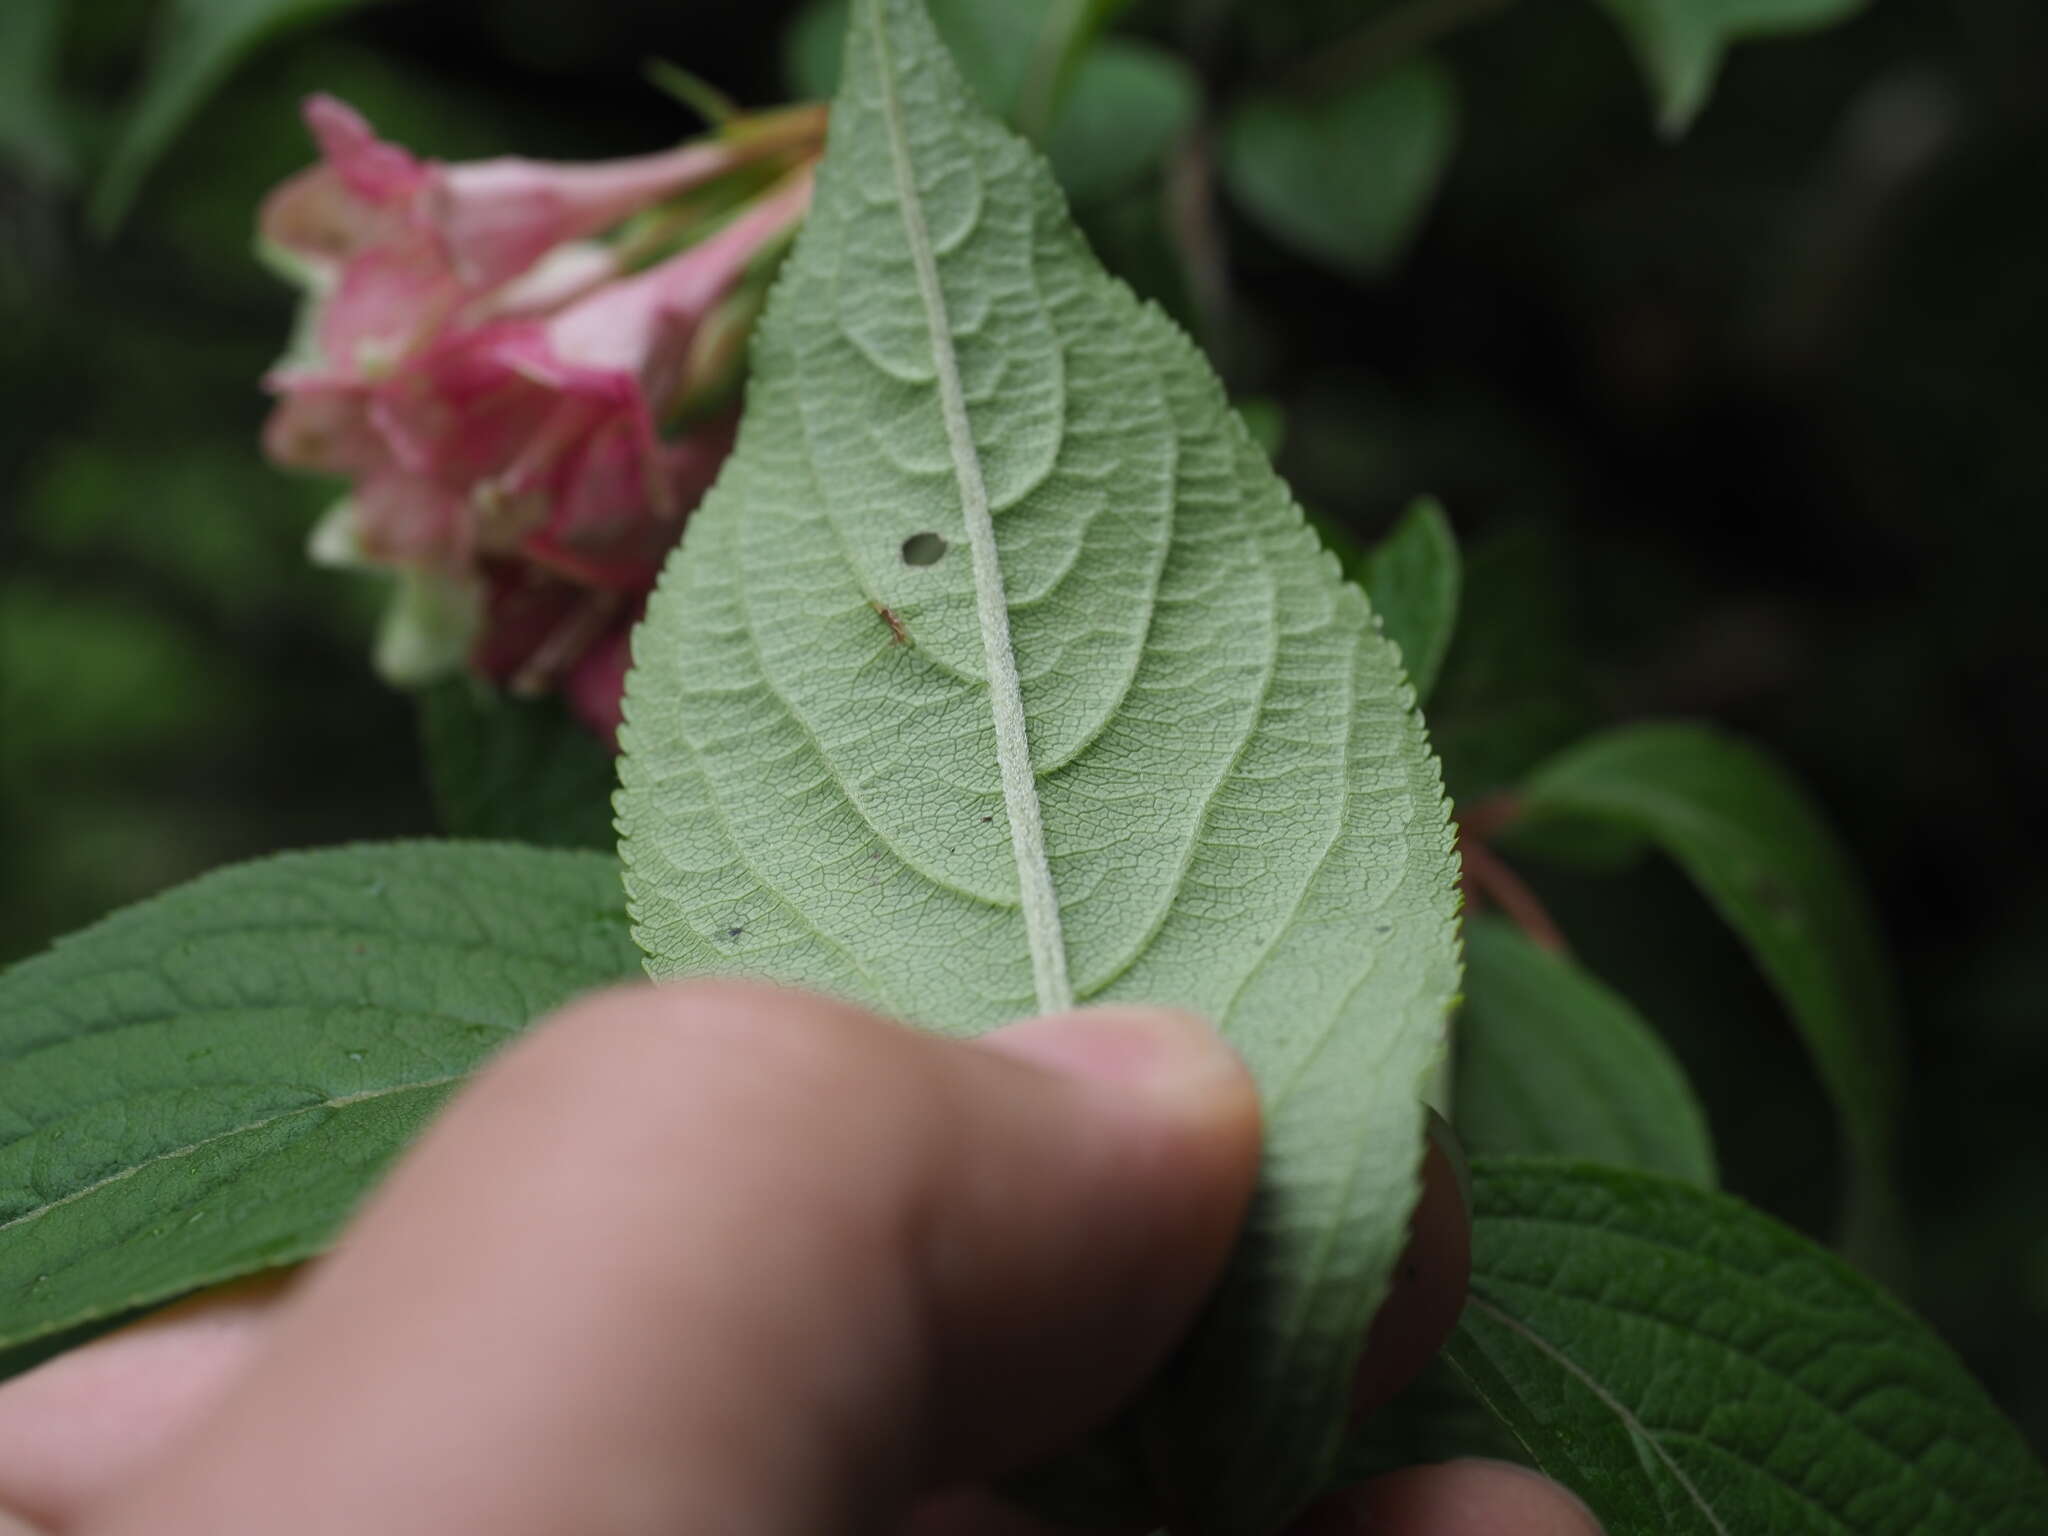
1036	896
340	1101
1613	1404
1822	1317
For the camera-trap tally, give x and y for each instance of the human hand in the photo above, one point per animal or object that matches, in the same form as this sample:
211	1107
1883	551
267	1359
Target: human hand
721	1258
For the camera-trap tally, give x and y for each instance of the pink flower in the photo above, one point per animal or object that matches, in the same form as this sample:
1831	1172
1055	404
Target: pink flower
540	436
496	387
542	630
401	242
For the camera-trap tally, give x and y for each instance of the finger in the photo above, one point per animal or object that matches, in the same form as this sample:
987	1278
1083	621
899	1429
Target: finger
1456	1498
79	1426
727	1258
1422	1307
1429	1284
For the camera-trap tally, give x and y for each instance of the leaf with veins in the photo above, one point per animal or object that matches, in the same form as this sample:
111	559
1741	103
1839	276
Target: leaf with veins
1138	740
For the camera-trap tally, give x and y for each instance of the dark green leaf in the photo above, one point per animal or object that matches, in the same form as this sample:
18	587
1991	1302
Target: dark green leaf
1126	106
811	47
1345	175
1679	43
203	1085
521	769
33	131
1552	1062
1513	686
1765	856
1066	32
1690	1367
1437	1417
1413	579
202	42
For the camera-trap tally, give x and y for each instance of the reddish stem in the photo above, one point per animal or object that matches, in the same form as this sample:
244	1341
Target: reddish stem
1487	818
1488	879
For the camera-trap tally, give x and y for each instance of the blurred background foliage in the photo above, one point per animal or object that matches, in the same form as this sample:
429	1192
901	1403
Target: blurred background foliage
1743	423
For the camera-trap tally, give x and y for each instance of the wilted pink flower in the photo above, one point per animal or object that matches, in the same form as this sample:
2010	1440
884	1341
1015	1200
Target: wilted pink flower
539	626
496	387
403	241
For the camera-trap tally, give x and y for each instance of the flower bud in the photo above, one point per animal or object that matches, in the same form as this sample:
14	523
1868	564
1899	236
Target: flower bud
495	382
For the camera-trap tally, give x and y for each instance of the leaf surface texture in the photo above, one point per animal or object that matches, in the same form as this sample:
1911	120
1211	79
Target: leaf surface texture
1240	814
1690	1367
203	1085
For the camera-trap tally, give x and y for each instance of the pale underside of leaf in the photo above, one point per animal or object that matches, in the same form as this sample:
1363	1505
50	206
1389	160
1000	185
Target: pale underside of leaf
1239	809
1006	698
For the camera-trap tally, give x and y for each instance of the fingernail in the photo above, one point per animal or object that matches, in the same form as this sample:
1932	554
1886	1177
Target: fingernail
1171	1058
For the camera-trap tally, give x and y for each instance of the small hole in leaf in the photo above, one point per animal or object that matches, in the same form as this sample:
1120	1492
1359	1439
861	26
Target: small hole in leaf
923	549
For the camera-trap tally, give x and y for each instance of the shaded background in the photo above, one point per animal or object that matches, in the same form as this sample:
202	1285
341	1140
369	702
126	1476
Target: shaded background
1746	426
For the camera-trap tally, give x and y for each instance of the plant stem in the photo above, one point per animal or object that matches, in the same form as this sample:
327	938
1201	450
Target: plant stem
1197	236
1488	817
1488	878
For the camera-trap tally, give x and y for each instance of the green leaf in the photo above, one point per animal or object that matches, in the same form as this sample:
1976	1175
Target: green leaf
201	43
1552	1062
1127	105
1513	686
1115	106
203	1085
1346	175
1763	854
1687	1365
1067	31
1679	43
1413	578
811	45
992	44
521	769
33	131
1137	740
1436	1417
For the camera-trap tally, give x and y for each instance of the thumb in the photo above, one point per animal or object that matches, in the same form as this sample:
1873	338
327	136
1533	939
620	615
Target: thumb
723	1257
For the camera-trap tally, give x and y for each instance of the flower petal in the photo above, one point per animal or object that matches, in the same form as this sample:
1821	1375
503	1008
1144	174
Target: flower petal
322	425
381	174
498	217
